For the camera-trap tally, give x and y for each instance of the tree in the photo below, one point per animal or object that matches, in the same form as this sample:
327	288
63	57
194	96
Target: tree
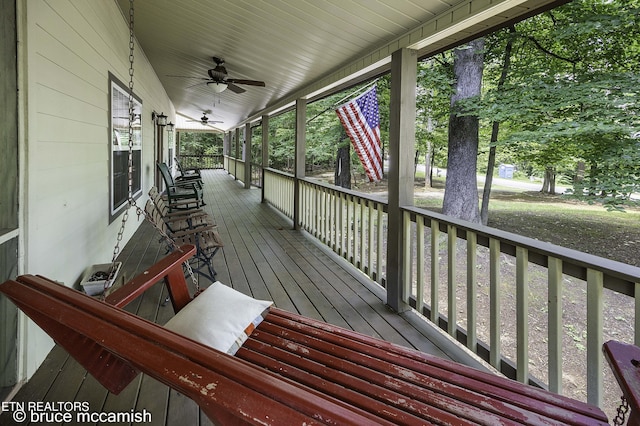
461	188
200	143
282	141
433	99
572	96
495	129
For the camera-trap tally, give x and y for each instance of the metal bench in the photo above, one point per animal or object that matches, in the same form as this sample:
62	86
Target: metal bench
291	370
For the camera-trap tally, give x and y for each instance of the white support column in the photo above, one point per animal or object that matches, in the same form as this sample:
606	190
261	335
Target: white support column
225	143
265	149
402	118
301	136
247	156
237	153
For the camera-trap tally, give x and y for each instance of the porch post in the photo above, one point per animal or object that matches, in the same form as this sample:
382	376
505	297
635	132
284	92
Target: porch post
402	119
225	143
265	149
301	118
236	155
247	156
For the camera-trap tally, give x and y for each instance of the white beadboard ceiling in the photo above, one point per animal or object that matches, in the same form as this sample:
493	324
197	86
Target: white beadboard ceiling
299	48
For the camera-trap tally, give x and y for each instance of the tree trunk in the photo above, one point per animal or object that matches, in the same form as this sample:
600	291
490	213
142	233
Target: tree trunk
428	176
486	193
461	188
428	157
488	179
549	182
342	174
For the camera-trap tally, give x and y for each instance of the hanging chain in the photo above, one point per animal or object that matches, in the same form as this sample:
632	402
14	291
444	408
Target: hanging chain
622	411
131	202
125	217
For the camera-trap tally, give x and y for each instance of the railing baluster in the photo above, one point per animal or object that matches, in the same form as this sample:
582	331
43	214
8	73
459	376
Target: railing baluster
356	232
336	221
341	224
451	280
594	337
420	263
636	322
522	314
349	244
407	257
379	234
494	304
472	280
371	245
363	234
435	271
555	324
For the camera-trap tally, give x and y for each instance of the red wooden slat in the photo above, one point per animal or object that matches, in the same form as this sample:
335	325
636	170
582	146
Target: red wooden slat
365	395
536	400
403	388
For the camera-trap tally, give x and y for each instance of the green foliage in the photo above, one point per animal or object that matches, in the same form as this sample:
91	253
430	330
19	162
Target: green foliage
282	140
200	143
572	95
435	85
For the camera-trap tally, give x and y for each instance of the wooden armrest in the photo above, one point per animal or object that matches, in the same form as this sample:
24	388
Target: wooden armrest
186	214
189	184
169	268
183	205
192	231
624	360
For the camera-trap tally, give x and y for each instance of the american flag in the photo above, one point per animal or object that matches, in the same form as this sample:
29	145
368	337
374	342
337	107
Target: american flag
361	121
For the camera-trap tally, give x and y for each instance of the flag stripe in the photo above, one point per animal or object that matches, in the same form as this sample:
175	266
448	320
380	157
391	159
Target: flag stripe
361	121
364	140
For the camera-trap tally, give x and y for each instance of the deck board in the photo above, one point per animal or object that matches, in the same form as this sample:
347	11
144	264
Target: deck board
264	257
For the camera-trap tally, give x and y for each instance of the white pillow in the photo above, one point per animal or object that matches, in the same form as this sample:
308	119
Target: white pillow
220	317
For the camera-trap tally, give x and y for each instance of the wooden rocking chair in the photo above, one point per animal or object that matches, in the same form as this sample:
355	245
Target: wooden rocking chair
177	192
291	370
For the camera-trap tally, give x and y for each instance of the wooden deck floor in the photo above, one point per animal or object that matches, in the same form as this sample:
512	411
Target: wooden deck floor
262	257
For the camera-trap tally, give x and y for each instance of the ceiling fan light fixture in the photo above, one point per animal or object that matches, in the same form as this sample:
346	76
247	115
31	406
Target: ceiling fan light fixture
217	86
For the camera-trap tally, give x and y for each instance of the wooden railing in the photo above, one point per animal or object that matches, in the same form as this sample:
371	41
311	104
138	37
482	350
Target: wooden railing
278	190
352	224
234	167
434	243
201	161
525	284
256	175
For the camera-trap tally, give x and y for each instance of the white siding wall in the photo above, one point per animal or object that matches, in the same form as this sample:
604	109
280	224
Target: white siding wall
70	47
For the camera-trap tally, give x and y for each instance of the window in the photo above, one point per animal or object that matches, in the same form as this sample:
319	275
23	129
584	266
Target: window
119	151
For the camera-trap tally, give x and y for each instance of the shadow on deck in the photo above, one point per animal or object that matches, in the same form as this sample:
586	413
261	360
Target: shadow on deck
262	257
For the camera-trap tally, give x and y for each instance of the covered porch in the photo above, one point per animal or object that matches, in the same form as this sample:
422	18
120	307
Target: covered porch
262	257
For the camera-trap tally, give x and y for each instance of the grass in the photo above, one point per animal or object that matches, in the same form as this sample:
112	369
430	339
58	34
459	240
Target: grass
559	220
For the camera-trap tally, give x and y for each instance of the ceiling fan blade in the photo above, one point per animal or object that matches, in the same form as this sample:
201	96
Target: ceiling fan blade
247	82
234	88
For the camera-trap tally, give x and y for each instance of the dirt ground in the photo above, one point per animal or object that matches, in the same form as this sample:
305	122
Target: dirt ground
605	238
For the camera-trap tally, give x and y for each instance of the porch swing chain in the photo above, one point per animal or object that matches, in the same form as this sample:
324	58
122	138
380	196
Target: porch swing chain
621	413
130	200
